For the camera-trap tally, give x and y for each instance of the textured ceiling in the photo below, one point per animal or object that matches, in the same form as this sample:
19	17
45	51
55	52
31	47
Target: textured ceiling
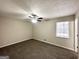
43	8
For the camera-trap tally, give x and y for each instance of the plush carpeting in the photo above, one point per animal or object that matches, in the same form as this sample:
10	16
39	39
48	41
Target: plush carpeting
33	49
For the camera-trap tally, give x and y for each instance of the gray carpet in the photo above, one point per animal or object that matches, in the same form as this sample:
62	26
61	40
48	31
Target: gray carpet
33	49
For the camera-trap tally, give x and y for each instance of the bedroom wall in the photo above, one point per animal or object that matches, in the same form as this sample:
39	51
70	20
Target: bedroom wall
46	32
13	31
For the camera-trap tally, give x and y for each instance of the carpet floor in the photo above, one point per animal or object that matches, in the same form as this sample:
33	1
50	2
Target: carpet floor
33	49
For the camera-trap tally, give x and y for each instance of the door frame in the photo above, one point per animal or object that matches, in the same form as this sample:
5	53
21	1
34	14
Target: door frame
76	35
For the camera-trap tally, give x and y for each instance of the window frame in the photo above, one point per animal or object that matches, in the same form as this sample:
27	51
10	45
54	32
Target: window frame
62	34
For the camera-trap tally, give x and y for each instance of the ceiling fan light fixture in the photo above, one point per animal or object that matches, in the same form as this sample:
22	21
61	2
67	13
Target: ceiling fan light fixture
34	18
34	21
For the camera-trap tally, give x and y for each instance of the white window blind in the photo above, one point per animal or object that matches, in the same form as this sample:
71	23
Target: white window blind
62	29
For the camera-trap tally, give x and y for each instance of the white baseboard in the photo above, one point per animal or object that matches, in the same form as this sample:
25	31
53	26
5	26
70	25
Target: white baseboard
56	45
38	40
13	43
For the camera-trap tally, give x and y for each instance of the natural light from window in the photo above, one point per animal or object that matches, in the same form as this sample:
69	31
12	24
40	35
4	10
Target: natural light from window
62	29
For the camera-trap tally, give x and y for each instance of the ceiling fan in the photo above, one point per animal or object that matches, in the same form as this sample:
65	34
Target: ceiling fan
34	18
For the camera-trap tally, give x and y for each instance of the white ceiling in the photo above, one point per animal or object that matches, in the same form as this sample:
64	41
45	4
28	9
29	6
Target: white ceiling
43	8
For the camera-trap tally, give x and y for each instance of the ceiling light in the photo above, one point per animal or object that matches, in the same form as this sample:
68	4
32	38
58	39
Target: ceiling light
34	18
34	21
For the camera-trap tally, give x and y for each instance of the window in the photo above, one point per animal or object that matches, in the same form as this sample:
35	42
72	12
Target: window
62	29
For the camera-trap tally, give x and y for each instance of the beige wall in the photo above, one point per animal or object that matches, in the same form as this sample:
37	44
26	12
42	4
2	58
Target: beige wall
14	31
46	31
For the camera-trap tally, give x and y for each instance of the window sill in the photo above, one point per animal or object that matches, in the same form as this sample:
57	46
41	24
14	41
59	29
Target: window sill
63	37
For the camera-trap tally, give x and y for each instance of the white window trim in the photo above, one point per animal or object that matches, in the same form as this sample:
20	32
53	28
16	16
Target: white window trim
62	35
